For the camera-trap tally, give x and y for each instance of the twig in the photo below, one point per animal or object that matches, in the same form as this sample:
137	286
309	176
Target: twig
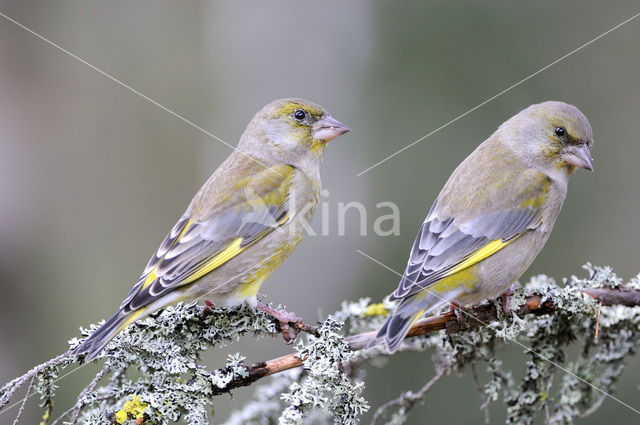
485	405
64	415
595	337
409	399
79	403
547	412
68	411
24	401
609	296
595	406
17	383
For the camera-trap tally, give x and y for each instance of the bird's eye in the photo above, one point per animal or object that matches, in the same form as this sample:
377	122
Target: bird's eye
299	114
560	131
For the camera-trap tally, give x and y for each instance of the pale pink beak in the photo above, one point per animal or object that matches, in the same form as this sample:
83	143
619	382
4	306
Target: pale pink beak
328	128
578	156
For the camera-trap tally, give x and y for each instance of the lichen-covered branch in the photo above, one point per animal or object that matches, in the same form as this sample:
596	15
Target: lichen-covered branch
322	381
479	316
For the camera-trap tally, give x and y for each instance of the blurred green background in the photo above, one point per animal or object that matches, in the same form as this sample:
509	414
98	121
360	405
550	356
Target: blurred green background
92	176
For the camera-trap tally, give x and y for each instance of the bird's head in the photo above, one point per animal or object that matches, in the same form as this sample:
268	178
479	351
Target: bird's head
555	136
292	130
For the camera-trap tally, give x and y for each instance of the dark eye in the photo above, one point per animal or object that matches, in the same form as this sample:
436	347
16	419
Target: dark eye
560	131
299	114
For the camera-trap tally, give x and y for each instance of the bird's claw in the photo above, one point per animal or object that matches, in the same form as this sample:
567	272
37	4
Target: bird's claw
457	311
206	310
289	324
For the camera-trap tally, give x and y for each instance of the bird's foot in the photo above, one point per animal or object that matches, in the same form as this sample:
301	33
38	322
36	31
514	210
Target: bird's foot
457	311
505	298
290	324
206	310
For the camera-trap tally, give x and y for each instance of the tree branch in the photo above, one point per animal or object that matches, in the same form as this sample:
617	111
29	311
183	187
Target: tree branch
17	383
621	296
185	331
479	316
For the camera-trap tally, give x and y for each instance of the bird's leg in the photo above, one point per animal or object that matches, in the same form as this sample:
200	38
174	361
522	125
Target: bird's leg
290	324
457	311
505	297
206	310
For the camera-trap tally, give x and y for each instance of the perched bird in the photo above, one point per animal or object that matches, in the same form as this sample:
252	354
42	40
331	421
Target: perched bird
493	215
242	224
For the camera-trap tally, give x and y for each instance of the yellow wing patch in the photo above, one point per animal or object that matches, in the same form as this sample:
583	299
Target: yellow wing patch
225	255
186	227
417	316
484	252
150	279
466	277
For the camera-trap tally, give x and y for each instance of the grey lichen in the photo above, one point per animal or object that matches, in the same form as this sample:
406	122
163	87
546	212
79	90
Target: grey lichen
326	384
266	404
585	381
172	384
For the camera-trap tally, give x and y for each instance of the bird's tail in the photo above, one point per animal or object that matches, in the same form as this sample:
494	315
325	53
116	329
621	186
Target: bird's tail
93	345
408	311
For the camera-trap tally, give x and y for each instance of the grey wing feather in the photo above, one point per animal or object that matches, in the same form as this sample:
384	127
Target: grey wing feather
442	244
162	250
183	253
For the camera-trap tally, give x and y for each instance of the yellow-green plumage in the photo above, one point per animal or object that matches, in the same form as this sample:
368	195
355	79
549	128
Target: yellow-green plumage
242	224
493	215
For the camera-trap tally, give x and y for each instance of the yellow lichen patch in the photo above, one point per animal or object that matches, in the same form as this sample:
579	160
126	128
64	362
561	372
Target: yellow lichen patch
133	408
544	396
376	310
47	413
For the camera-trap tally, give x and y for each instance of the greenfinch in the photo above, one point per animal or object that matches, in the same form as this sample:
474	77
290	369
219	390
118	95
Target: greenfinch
493	215
242	224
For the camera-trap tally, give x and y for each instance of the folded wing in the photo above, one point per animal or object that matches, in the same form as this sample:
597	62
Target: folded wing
196	247
446	245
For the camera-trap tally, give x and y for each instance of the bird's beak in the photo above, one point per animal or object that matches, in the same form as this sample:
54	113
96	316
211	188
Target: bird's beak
328	128
578	156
